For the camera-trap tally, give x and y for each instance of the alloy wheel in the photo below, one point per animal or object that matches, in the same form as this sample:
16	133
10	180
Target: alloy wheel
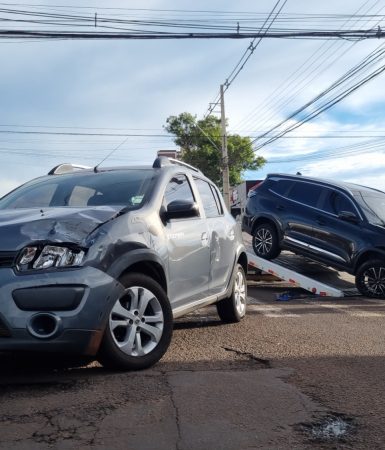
136	321
374	280
240	293
263	241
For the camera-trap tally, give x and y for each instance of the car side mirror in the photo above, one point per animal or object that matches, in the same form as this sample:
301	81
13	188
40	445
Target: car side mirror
348	216
181	209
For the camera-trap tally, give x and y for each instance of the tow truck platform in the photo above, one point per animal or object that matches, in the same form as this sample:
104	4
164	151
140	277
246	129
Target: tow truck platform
300	272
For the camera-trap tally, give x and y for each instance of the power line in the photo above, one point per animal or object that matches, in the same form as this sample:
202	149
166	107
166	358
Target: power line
339	152
245	57
95	35
374	57
301	75
78	133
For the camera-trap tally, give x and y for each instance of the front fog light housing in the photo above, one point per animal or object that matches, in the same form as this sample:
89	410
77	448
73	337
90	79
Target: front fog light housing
49	256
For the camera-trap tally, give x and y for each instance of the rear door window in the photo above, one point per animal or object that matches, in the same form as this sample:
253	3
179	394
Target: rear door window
210	203
281	187
306	193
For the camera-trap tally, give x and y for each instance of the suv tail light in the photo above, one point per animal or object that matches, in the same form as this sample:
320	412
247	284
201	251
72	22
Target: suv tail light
253	190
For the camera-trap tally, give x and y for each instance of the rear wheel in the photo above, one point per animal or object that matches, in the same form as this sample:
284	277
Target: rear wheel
370	279
139	327
233	308
265	241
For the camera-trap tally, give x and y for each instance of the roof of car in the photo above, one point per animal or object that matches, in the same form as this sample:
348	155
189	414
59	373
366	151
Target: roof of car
161	162
351	187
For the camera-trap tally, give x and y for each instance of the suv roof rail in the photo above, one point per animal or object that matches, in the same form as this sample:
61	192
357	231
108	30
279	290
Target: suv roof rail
66	168
162	161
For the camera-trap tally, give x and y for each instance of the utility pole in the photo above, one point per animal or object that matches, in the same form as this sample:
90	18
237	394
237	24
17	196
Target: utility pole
225	158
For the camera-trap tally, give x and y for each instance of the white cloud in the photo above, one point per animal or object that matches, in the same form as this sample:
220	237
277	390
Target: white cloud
139	84
7	185
346	165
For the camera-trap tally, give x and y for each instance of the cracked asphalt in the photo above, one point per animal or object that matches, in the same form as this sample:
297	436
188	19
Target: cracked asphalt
264	383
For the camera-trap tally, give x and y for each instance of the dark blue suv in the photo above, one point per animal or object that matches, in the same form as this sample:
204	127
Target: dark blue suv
336	223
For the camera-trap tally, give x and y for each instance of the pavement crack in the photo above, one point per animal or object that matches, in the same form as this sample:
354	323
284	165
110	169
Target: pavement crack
176	410
250	356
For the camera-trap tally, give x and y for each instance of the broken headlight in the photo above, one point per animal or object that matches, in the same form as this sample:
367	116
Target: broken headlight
49	256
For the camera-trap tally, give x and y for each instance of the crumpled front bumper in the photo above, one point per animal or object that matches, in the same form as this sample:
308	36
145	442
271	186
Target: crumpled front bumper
77	300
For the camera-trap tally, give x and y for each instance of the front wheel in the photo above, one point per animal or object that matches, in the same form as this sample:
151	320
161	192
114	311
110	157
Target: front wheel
139	327
265	241
370	279
233	308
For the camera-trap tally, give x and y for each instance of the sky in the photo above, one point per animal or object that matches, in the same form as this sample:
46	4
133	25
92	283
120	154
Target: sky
131	87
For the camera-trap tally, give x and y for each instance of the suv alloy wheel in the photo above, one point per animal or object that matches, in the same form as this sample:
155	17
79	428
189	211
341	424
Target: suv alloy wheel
265	241
370	279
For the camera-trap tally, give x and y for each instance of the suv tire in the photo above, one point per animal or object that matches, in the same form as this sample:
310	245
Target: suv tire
370	278
265	241
139	327
233	308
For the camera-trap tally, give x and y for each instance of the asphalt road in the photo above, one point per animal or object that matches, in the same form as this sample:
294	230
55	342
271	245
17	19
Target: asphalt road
302	374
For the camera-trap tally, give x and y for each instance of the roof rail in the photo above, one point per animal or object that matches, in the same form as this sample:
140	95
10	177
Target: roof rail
66	168
162	161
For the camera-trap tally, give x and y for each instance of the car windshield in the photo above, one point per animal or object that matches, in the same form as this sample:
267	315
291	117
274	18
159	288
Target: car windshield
128	188
373	205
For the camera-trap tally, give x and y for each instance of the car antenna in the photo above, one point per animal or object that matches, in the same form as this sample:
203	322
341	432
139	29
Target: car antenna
110	154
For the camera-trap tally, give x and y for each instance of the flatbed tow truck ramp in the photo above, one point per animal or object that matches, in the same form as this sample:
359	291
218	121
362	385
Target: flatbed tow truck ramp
294	278
300	272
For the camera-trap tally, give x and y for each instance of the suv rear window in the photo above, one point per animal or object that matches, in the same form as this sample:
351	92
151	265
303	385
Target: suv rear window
306	193
281	186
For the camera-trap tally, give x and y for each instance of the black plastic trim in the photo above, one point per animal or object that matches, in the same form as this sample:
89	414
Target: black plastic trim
49	298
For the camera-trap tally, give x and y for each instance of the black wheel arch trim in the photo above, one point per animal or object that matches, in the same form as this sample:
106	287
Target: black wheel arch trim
366	255
269	219
127	260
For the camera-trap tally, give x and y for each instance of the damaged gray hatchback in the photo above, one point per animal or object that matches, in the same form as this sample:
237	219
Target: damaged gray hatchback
98	262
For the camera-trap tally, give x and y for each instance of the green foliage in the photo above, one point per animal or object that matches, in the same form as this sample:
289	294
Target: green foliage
200	142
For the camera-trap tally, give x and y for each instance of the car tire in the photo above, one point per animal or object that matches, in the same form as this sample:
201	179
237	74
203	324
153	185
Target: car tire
370	278
265	241
139	326
233	308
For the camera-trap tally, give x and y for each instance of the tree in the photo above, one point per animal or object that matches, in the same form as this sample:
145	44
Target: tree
200	142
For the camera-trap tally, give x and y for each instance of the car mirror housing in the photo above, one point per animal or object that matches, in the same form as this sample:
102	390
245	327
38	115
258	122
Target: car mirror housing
348	216
178	209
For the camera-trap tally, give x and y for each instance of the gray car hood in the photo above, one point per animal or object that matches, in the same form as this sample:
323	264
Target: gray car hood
20	227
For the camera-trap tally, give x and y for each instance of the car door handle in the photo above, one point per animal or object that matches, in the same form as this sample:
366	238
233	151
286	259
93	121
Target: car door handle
321	222
280	207
204	238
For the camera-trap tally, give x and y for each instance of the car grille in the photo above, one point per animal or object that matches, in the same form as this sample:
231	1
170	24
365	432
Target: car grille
7	259
4	331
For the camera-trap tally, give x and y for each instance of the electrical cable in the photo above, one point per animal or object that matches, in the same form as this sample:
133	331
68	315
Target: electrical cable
245	57
301	78
374	57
